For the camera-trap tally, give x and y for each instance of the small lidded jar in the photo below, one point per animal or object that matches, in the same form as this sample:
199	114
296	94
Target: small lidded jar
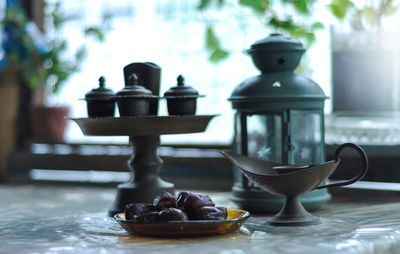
133	99
100	102
181	99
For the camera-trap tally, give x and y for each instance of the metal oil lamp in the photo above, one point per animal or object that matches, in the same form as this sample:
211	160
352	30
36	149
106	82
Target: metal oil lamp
279	118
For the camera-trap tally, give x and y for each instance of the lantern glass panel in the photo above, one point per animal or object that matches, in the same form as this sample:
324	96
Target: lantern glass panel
306	137
237	176
265	137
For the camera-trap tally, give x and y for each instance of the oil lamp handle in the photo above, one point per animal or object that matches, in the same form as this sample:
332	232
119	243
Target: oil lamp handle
360	174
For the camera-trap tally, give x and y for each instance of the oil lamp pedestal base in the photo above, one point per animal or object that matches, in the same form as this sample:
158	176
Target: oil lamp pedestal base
293	214
256	200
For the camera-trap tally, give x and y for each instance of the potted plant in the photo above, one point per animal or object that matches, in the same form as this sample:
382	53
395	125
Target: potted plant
42	63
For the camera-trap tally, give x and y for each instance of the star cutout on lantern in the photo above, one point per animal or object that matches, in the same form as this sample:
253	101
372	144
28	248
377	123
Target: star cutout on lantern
281	61
264	152
305	153
276	84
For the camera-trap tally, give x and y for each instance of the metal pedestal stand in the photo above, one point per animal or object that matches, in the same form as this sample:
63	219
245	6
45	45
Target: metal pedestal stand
146	184
145	163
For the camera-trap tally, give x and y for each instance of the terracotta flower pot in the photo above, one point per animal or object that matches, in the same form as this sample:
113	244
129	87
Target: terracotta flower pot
49	123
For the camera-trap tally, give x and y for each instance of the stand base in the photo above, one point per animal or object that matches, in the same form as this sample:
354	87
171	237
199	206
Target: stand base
293	214
138	193
256	200
304	220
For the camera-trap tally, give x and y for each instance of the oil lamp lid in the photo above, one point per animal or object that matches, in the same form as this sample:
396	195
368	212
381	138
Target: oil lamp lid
132	89
181	90
277	42
101	92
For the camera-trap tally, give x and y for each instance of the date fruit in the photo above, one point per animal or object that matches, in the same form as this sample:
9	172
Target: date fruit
165	200
172	214
185	206
210	213
137	209
191	202
147	217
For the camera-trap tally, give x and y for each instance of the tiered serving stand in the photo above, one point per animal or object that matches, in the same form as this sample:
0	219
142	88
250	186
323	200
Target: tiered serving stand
145	163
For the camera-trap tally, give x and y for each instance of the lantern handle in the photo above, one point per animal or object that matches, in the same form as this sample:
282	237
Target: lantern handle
361	173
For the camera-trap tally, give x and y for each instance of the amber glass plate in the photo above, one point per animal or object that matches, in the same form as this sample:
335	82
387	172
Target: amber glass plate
187	228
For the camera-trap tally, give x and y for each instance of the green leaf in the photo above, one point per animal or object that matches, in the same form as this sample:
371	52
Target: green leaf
301	6
310	37
339	8
259	6
212	41
344	3
218	55
203	4
287	24
274	22
337	11
96	32
213	45
317	25
370	15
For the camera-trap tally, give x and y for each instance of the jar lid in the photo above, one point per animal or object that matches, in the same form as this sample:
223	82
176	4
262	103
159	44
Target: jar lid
100	93
277	42
132	89
181	90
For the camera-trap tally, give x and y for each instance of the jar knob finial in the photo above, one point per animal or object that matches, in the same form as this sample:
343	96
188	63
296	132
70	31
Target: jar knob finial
102	82
133	80
180	80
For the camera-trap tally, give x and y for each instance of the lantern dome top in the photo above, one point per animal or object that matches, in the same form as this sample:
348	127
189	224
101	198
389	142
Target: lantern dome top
277	91
276	53
277	42
278	87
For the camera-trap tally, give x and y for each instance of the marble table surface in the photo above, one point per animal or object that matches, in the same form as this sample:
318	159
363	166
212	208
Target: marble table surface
68	219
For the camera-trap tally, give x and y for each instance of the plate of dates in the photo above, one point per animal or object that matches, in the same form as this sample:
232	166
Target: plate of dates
187	214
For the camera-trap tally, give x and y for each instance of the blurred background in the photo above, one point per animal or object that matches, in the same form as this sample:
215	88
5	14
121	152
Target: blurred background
55	51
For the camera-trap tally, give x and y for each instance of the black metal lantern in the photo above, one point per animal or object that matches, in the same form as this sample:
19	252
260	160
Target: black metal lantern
280	118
